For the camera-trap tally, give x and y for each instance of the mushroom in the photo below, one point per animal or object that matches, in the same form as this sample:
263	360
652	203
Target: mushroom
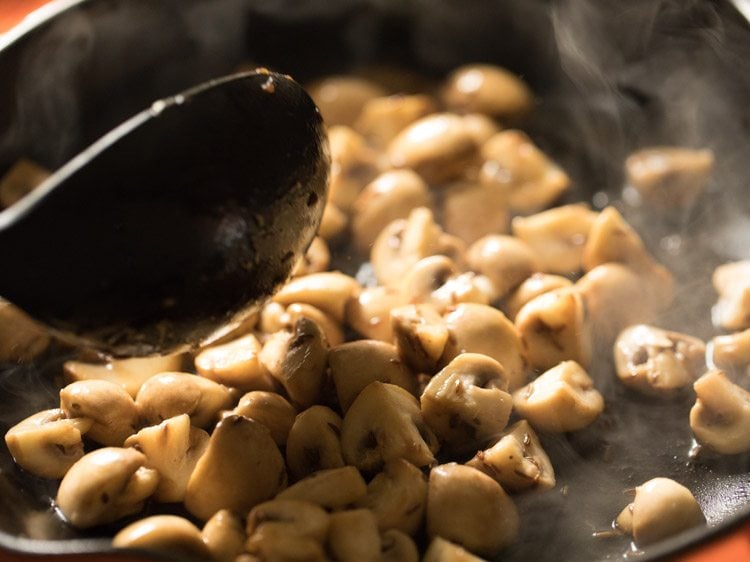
112	410
316	259
242	467
438	147
314	442
104	486
21	339
441	550
383	118
720	418
514	164
172	448
731	352
297	359
481	127
652	360
420	334
236	364
471	210
328	291
21	179
47	443
477	328
557	236
505	260
397	546
276	317
384	423
353	536
732	310
341	98
163	533
404	242
662	508
517	460
537	284
554	328
561	399
488	89
166	395
397	496
353	165
669	176
356	364
224	536
390	196
467	402
370	313
468	507
129	373
332	488
270	409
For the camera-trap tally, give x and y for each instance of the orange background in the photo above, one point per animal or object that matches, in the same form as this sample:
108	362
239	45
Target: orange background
734	548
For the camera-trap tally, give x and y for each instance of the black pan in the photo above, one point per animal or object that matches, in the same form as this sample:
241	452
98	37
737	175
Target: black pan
611	76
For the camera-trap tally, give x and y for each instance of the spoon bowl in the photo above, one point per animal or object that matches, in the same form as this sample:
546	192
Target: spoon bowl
179	221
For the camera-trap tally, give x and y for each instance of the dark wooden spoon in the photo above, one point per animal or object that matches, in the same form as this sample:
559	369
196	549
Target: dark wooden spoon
180	220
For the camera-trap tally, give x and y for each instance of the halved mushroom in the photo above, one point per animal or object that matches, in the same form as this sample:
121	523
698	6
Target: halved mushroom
370	313
21	339
662	508
384	118
488	89
467	402
554	328
332	488
172	448
20	180
438	147
270	409
328	291
732	283
105	485
314	442
236	364
420	335
342	97
353	165
514	164
316	259
397	546
468	507
129	373
390	196
669	175
397	496
356	364
384	423
242	467
537	284
441	550
471	210
297	360
166	395
404	242
47	443
517	460
731	352
505	260
561	399
353	536
224	536
112	410
720	418
653	360
477	328
163	533
557	236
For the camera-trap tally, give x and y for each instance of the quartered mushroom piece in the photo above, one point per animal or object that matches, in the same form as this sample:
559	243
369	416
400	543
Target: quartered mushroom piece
353	536
271	409
720	418
731	352
732	283
224	536
314	442
163	533
332	488
236	364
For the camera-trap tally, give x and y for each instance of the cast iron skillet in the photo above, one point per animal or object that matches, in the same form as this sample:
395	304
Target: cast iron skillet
609	79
